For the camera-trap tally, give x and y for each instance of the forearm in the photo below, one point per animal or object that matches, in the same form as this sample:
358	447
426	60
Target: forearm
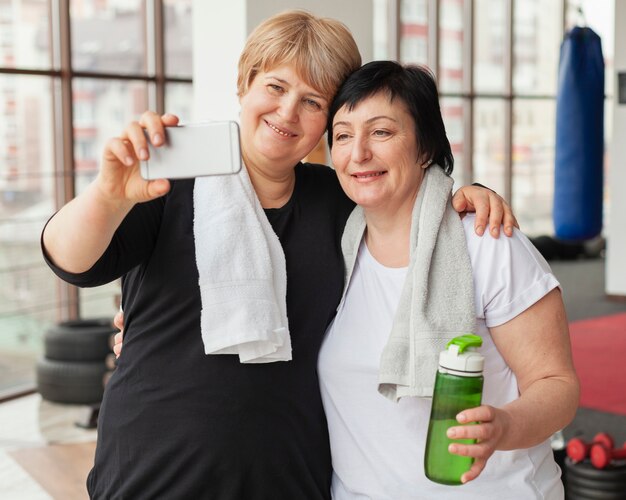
544	407
78	234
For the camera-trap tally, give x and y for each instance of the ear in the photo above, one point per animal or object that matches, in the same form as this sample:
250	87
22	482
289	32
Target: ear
426	164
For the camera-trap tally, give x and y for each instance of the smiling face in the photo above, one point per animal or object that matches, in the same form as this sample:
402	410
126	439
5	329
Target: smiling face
282	119
375	154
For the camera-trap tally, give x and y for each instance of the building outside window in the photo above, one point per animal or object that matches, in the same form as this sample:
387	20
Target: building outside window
125	56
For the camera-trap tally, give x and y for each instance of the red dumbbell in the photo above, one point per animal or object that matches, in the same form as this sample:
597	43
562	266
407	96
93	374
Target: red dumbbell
601	456
577	450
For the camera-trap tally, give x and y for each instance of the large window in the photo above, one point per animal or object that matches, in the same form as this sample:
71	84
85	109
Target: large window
72	73
496	63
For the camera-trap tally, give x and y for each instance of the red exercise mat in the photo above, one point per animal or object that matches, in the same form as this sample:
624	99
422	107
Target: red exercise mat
599	348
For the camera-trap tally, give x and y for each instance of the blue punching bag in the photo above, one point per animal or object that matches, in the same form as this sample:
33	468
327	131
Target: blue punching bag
578	176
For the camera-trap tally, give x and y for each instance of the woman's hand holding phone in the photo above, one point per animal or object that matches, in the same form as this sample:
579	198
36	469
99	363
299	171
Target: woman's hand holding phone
119	180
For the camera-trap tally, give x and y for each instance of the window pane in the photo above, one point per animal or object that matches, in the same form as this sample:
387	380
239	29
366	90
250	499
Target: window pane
109	36
178	38
179	100
490	24
27	288
25	34
101	108
453	116
489	152
537	37
414	31
451	39
533	164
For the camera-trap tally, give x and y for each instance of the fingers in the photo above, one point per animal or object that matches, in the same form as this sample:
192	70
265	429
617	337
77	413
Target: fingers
492	211
481	206
121	150
154	126
150	128
496	214
475	470
482	431
118	320
509	221
157	188
117	346
485	436
459	201
134	133
169	120
484	413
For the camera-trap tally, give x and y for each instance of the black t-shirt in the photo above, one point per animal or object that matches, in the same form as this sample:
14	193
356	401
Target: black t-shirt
178	424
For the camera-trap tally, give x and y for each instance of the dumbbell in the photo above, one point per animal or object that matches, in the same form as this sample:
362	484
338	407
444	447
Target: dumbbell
577	449
601	456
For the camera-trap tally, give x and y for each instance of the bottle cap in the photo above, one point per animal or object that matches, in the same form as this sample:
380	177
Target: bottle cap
460	357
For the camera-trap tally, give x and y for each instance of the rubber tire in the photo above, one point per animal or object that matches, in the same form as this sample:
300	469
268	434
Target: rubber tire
70	382
574	482
588	471
81	340
579	493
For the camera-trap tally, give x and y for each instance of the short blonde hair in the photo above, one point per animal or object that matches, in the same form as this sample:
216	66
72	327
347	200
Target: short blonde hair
322	51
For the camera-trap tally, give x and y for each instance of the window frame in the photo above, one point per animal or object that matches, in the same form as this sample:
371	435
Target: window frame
62	75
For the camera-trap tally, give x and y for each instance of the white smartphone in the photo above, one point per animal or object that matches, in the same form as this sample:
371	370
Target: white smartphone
195	150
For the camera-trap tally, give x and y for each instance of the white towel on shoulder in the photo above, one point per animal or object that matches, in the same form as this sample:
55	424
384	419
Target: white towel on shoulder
241	270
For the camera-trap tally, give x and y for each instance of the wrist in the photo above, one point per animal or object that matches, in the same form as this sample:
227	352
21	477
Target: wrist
103	198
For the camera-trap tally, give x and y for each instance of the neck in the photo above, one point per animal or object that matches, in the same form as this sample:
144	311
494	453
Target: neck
388	236
273	186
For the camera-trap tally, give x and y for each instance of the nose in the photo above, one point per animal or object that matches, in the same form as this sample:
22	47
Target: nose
360	152
288	109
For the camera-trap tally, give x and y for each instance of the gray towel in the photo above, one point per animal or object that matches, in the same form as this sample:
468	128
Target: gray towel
437	300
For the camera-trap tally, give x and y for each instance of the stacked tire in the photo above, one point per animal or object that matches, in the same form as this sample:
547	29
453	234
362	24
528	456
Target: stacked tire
74	365
584	482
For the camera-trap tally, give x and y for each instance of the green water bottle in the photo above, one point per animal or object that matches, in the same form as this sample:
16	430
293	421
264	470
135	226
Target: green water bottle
458	386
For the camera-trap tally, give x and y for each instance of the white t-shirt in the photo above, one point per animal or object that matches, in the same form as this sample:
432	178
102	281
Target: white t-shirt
377	445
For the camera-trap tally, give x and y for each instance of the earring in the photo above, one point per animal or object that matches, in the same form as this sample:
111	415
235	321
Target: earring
427	164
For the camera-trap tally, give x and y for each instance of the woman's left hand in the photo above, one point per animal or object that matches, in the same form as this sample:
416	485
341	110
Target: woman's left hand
490	208
492	425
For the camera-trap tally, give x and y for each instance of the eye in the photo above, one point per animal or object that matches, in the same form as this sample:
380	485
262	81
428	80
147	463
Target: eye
275	89
341	137
381	133
311	104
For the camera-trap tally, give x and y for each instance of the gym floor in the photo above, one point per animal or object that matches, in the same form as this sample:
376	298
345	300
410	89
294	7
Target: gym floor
44	455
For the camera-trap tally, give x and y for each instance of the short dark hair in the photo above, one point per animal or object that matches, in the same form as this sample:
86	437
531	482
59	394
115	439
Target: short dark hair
416	87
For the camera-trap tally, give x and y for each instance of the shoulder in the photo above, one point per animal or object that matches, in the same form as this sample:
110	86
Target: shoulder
503	250
509	274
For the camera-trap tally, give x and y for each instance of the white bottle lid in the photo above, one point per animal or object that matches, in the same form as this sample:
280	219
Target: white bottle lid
461	360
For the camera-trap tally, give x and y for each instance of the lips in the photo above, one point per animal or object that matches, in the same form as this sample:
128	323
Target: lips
369	174
280	131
